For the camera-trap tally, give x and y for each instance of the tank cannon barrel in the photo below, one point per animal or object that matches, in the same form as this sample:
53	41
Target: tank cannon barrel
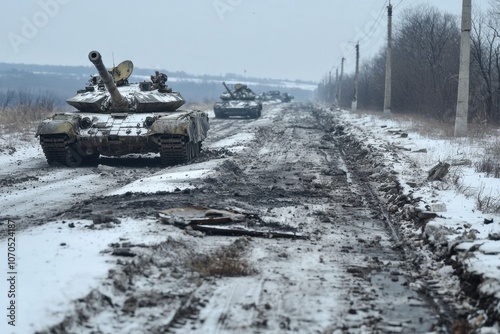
119	102
229	91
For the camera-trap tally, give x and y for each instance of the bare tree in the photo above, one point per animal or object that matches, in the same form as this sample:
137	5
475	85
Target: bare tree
6	98
426	56
425	51
371	83
486	64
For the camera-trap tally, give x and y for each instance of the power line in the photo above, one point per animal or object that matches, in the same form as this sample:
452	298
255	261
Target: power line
398	3
366	34
377	21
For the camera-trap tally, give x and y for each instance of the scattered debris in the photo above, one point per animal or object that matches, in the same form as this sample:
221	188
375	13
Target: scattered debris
103	217
462	162
436	207
209	221
494	236
123	252
399	147
439	171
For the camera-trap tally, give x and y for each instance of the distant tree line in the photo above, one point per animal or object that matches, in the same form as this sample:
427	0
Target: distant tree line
62	82
27	98
425	55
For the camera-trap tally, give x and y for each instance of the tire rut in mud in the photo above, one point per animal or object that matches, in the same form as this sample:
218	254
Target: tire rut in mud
382	185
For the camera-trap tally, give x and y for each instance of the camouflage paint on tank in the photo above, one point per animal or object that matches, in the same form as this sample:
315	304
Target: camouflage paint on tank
118	120
240	101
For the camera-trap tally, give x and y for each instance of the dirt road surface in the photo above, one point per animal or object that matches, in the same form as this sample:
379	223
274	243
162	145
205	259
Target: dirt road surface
343	269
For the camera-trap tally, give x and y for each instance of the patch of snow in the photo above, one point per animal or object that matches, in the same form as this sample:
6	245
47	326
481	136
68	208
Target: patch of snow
171	179
57	264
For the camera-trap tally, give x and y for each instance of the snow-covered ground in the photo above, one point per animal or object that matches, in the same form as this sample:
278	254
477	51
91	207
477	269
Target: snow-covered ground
461	227
45	288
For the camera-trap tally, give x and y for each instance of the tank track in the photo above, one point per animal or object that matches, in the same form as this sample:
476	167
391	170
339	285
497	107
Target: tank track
175	150
57	151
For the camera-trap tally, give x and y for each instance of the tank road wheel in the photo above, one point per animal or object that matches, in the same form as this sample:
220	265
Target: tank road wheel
73	159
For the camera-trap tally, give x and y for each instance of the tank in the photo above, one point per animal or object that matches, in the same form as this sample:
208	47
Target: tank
115	118
275	95
240	101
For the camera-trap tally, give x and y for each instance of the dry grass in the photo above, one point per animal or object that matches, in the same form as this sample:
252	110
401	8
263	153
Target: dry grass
490	162
431	128
227	261
477	146
494	150
434	128
22	118
488	165
486	203
480	147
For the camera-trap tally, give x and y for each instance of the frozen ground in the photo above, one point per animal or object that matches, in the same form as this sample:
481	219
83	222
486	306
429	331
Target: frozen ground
298	168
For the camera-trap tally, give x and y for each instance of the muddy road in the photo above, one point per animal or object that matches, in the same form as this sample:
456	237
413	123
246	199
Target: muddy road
346	270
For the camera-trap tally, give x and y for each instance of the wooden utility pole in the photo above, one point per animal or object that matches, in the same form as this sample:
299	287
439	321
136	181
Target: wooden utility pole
340	81
463	74
354	105
388	63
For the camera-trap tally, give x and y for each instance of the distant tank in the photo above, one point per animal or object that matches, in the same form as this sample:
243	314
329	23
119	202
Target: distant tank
285	97
275	95
238	102
115	118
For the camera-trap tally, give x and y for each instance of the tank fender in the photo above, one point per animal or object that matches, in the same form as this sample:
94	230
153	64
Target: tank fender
188	125
55	126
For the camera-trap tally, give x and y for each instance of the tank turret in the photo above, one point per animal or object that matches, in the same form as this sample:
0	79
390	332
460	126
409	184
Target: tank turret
110	91
119	102
229	91
240	92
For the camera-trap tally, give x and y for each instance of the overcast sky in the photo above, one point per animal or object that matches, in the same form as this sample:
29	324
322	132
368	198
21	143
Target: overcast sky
281	39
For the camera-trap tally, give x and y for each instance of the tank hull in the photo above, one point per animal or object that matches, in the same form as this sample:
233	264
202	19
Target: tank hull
79	138
237	108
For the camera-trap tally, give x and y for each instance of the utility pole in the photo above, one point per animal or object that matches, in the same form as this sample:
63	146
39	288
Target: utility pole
340	81
463	73
329	94
388	63
354	105
337	87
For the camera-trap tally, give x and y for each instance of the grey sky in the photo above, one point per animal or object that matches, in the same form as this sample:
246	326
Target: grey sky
282	39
